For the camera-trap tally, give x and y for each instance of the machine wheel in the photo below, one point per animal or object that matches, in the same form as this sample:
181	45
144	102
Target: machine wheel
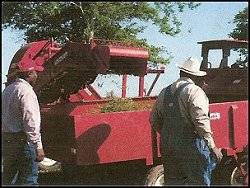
237	178
239	175
49	165
155	176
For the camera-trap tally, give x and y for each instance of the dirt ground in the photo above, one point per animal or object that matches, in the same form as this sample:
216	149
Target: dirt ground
121	175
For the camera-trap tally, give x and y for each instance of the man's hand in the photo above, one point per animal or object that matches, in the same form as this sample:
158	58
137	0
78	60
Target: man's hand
39	155
217	153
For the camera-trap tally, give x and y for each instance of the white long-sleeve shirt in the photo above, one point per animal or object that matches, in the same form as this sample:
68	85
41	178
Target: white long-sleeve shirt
21	111
194	107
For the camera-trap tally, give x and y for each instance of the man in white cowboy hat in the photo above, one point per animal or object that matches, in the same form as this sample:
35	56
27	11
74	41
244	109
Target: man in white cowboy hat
181	116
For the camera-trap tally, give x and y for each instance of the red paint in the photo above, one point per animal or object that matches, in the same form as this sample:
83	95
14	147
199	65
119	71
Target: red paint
124	85
113	137
141	86
231	129
86	94
122	136
97	138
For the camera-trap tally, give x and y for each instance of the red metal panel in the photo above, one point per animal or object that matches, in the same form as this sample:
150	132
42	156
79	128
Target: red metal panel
121	59
229	123
36	51
30	50
123	51
86	94
100	138
219	124
240	124
113	137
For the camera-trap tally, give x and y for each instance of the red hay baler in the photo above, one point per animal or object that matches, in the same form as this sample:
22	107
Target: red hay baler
76	137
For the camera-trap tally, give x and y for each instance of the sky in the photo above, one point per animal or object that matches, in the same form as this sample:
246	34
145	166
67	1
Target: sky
210	21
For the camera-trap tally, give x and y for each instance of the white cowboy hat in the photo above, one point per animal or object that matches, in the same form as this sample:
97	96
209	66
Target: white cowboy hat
192	66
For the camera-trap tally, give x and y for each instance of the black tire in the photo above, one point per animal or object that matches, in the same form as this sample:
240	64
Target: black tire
222	173
237	178
155	176
49	165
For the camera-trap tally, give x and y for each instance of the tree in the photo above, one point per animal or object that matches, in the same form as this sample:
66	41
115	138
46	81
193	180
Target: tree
241	21
75	21
241	32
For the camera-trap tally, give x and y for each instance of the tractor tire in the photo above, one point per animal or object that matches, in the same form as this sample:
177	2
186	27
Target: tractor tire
49	165
221	175
155	176
237	178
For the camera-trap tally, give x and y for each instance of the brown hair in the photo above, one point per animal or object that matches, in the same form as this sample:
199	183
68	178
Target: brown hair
22	75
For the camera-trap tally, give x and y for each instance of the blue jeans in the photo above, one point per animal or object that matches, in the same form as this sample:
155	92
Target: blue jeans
191	165
19	166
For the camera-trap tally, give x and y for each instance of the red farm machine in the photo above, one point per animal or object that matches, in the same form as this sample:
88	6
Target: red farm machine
81	139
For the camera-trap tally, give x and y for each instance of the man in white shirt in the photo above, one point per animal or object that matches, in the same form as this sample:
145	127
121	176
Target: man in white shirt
181	116
22	144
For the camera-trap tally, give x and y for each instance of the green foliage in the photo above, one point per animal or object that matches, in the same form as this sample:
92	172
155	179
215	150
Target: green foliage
241	21
121	104
74	21
241	31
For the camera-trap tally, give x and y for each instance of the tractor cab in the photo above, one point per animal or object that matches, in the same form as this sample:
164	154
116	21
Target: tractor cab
227	76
